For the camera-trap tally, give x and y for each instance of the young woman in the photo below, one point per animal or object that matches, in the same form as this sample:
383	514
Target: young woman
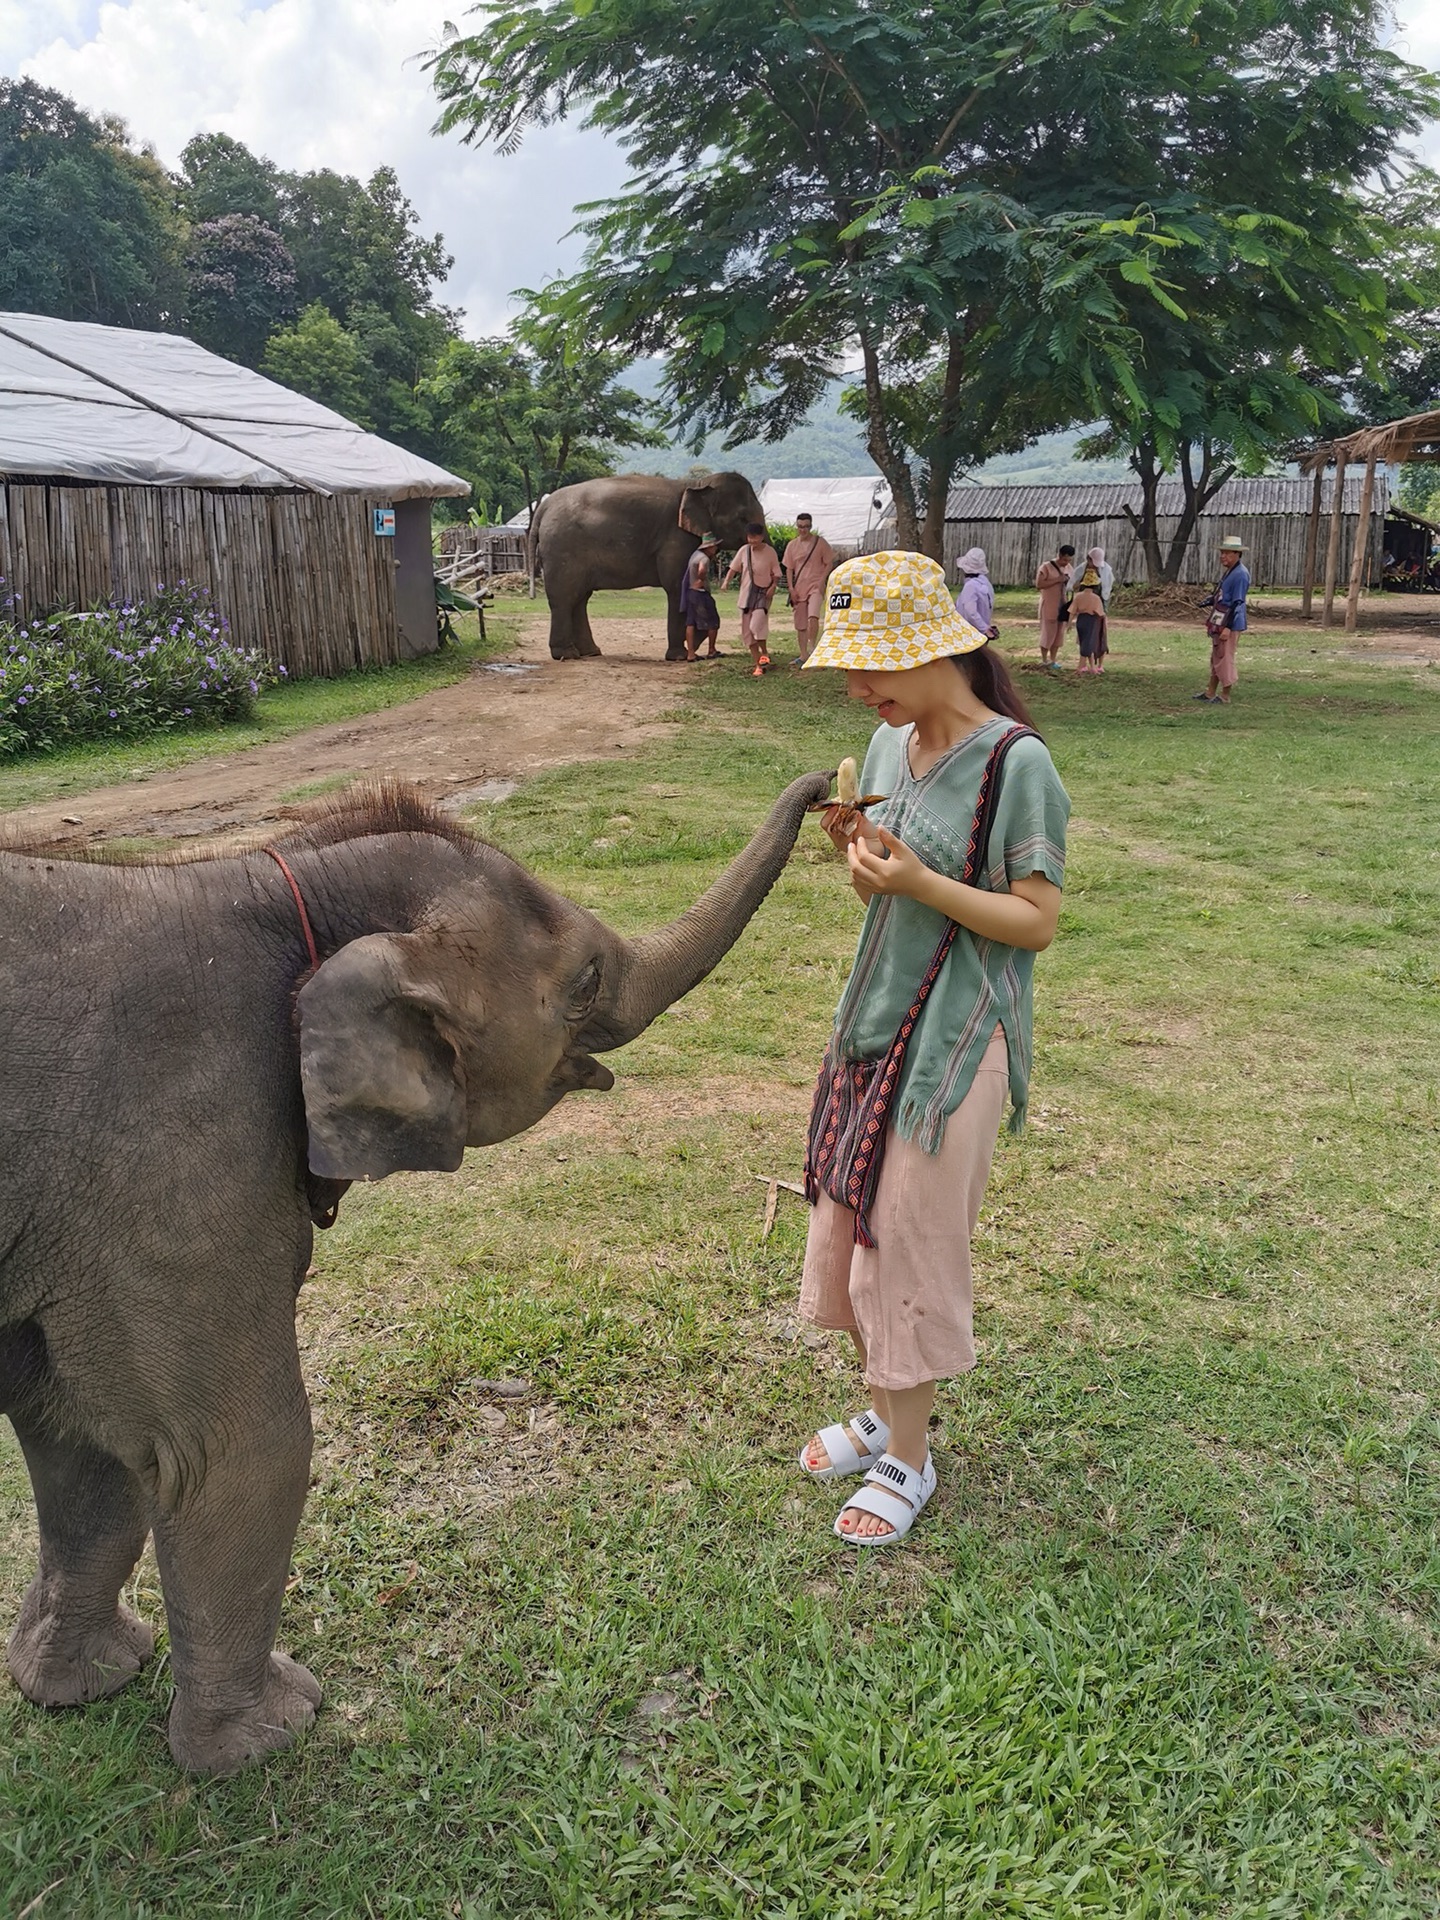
944	699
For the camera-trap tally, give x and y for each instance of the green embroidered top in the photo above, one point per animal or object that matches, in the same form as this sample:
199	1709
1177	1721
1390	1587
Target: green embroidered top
981	982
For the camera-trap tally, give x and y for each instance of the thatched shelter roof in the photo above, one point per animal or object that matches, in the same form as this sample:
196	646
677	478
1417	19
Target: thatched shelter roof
1416	437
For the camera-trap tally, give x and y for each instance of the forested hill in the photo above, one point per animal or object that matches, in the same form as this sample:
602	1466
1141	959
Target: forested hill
829	446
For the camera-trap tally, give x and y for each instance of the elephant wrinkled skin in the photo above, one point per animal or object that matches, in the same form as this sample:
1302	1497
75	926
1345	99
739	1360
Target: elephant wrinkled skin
173	1118
630	530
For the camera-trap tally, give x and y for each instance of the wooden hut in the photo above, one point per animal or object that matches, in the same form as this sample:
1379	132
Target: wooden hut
130	459
1373	450
1020	527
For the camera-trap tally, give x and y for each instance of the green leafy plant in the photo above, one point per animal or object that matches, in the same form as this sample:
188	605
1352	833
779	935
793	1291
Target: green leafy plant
120	670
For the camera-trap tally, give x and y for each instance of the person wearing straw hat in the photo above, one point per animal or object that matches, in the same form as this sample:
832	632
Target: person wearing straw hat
957	847
1227	621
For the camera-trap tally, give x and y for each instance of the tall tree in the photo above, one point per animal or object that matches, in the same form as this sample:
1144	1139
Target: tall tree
318	358
219	175
1295	281
89	224
533	417
242	285
981	200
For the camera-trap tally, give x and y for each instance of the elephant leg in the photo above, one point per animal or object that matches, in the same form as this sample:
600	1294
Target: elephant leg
74	1641
674	627
567	612
225	1521
584	638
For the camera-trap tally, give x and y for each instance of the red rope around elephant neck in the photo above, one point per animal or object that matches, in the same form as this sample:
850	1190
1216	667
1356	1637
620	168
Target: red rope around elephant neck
305	926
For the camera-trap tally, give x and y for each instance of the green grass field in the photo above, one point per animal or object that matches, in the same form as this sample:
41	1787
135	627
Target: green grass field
1165	1644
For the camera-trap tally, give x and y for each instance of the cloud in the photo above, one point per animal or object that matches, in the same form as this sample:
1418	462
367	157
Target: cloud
324	83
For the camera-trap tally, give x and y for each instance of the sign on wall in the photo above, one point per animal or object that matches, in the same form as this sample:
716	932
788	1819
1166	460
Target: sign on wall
385	522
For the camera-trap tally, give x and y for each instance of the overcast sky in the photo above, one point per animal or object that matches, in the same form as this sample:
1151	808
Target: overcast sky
338	83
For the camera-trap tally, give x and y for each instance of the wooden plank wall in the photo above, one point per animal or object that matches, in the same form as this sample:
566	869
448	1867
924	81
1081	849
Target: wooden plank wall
1015	549
301	576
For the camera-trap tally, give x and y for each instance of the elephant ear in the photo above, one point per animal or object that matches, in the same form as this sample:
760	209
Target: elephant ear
384	1088
694	506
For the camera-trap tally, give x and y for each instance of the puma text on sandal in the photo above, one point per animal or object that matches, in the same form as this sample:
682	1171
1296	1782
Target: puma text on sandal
845	1457
892	1492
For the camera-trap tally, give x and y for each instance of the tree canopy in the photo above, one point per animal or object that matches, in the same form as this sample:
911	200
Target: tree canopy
1013	214
89	224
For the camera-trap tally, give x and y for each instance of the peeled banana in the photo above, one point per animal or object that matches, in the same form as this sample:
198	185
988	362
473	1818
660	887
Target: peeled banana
847	789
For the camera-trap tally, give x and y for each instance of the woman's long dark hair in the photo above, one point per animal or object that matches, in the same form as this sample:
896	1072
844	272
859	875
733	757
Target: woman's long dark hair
990	681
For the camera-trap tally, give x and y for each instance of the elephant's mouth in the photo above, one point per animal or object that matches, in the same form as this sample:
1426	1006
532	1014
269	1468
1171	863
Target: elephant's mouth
579	1070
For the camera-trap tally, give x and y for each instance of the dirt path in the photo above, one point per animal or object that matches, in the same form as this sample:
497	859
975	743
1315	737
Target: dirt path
471	741
461	743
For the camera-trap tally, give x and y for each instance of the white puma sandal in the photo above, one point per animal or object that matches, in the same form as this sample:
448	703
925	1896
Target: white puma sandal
845	1456
892	1492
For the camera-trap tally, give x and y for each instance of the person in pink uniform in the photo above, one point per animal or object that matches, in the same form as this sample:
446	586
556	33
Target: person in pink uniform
809	558
757	567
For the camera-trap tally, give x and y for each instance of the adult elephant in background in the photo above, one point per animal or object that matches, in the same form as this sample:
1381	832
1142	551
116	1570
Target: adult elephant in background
630	530
199	1057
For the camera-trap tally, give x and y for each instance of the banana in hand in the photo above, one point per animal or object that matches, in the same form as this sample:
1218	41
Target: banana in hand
847	790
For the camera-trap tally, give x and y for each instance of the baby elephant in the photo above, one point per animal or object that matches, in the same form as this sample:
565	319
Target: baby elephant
199	1057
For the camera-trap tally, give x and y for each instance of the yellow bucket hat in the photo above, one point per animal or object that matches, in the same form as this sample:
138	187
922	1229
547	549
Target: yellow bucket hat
888	612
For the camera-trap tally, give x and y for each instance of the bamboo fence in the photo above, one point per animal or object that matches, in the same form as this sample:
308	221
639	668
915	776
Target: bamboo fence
301	576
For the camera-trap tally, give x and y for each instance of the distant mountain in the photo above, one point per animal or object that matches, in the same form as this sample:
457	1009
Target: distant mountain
827	446
1051	461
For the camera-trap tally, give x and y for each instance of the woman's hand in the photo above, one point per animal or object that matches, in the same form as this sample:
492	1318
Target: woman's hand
842	824
895	870
1027	916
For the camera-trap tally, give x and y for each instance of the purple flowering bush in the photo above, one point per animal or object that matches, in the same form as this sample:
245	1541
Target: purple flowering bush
164	662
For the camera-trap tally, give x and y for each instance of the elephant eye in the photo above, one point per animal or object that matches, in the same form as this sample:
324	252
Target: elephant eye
585	990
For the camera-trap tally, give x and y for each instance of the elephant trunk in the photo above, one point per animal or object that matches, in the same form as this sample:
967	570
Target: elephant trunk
659	968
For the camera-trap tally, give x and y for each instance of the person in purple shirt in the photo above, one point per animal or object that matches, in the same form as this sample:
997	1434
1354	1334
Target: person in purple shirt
975	601
1228	600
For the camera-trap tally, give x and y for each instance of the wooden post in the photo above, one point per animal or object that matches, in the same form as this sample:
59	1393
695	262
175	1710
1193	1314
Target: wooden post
1312	544
1362	547
1332	550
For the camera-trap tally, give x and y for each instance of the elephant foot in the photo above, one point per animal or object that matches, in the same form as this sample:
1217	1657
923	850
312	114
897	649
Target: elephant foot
206	1740
671	654
589	650
56	1665
564	653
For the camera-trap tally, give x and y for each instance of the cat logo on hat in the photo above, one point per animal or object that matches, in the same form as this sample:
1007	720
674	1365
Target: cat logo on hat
839	600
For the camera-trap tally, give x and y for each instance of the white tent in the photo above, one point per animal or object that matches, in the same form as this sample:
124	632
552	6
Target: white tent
844	509
112	405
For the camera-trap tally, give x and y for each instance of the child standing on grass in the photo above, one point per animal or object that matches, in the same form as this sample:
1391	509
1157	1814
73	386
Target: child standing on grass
968	845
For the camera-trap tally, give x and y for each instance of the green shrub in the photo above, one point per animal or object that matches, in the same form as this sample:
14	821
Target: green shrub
117	670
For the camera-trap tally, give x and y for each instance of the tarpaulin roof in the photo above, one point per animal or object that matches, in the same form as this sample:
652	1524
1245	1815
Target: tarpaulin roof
845	508
83	402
